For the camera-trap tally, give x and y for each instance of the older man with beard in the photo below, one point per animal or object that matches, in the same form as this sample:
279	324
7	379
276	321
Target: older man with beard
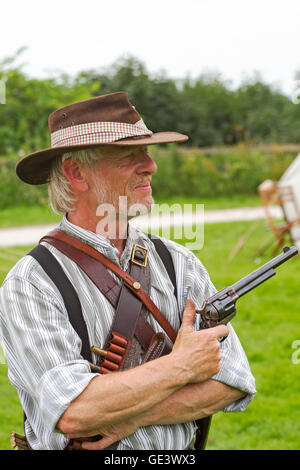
99	154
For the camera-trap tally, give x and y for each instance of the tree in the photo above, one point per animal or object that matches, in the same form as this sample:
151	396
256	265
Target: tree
29	101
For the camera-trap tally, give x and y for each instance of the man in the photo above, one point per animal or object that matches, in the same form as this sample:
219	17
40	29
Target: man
99	153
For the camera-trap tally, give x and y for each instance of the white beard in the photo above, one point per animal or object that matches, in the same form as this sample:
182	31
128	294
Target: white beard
106	196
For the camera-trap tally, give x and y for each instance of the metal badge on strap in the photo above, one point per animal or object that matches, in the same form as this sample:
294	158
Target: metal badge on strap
139	255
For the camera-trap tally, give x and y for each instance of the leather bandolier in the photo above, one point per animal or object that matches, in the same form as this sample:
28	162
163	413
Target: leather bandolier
131	336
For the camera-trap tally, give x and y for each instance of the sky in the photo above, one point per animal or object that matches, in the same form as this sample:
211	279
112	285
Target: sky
235	38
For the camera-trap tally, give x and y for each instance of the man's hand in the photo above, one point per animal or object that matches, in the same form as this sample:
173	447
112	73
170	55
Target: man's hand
111	434
198	352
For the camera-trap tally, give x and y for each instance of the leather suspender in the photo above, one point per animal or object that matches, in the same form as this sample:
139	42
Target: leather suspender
166	259
54	270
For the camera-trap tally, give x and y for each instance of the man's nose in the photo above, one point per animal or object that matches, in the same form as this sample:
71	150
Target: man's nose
146	164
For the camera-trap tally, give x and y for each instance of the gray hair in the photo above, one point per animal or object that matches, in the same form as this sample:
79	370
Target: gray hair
61	197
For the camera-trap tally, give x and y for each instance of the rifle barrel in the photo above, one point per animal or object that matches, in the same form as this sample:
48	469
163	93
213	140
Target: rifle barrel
273	263
259	280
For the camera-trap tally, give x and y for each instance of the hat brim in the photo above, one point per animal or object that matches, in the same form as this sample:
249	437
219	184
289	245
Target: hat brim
35	168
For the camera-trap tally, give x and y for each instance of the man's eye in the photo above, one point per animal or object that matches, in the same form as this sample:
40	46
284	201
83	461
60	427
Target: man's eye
125	159
128	157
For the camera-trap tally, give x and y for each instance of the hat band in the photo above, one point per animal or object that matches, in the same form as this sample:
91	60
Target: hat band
98	133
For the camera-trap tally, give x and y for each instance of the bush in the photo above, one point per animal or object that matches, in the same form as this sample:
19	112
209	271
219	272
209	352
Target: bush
195	173
181	172
14	192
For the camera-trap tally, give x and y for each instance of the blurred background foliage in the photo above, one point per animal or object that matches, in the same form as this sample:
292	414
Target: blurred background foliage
237	122
190	173
206	108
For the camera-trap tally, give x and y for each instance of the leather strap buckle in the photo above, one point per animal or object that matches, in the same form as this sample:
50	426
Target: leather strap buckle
139	255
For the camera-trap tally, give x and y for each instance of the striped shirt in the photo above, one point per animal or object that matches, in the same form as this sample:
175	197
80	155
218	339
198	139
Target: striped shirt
42	349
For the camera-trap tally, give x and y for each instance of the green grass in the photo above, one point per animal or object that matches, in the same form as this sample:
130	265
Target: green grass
267	324
27	215
221	202
10	410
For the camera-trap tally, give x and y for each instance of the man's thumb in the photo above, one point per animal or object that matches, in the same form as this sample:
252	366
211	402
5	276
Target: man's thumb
188	314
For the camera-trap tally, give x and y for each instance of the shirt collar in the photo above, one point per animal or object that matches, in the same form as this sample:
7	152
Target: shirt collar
102	244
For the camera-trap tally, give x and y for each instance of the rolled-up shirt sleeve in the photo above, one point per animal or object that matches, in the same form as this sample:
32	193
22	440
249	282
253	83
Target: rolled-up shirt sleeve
41	348
235	370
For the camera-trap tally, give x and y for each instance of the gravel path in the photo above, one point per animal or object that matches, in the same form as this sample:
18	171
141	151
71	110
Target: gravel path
30	235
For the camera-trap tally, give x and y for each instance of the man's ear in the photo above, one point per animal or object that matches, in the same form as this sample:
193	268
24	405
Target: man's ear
76	176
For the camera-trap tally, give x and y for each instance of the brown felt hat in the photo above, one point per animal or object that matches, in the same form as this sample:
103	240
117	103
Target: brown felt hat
104	120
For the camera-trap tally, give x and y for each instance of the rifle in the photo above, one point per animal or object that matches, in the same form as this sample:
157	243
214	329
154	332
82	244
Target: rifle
220	308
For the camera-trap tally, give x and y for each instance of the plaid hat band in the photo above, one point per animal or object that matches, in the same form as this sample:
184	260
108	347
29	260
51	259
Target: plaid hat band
98	133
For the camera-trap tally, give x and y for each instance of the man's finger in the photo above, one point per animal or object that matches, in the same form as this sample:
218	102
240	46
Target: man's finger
102	444
220	331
